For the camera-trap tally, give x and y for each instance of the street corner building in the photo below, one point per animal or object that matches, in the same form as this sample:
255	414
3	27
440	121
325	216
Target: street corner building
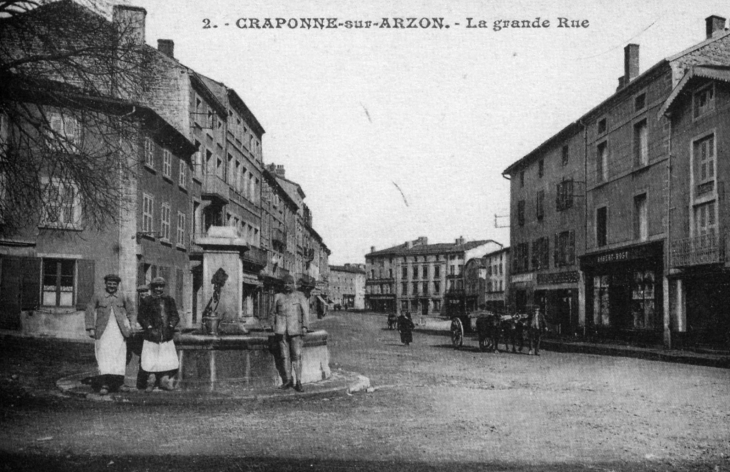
430	279
197	195
347	286
617	221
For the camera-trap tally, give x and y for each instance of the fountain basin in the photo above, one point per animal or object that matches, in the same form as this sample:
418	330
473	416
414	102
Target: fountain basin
249	360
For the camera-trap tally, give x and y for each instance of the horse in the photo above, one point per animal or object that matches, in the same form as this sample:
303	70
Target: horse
392	320
513	327
488	330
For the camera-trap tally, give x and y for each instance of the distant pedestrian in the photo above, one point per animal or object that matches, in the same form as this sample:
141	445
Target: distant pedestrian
291	323
405	327
109	318
536	324
158	317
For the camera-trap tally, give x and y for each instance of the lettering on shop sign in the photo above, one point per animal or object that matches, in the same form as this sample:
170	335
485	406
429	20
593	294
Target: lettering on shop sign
616	256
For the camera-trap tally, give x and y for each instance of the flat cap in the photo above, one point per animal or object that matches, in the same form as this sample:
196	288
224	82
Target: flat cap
288	279
112	277
158	281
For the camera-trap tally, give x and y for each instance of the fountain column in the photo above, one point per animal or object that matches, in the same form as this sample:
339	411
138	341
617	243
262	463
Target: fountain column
222	249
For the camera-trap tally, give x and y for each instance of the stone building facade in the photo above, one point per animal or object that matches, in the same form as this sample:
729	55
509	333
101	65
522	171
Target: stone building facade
617	270
420	277
196	197
347	286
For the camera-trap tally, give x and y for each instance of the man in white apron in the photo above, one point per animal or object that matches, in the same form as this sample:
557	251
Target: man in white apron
109	317
158	317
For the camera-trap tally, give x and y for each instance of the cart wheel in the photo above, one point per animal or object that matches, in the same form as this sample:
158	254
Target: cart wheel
457	333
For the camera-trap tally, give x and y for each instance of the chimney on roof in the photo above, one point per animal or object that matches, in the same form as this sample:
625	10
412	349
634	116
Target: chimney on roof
130	23
372	248
713	25
280	170
421	241
166	47
631	62
409	244
459	241
620	83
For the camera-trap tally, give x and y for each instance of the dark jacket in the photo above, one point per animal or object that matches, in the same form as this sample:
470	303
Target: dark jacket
158	325
100	307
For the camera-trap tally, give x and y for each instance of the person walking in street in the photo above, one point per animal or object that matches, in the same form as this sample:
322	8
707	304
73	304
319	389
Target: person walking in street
405	327
158	317
109	318
536	324
291	323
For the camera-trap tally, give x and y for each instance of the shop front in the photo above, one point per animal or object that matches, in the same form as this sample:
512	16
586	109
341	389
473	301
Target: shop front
704	319
624	295
382	303
557	295
522	292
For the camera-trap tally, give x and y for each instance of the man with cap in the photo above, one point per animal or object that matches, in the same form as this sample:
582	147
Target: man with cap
158	317
291	323
109	319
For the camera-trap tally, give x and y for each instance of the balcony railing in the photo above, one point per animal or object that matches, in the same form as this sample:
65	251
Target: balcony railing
698	250
215	187
255	256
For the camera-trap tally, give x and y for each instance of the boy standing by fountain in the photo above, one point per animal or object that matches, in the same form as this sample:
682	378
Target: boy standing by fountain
291	323
158	317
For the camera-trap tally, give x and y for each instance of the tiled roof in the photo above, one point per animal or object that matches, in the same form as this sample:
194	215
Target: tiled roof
353	270
441	248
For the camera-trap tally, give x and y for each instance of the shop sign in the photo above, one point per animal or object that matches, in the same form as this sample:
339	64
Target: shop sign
558	278
640	252
521	278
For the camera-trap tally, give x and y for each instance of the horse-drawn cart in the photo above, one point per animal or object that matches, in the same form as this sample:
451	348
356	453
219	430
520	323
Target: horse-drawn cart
485	325
489	326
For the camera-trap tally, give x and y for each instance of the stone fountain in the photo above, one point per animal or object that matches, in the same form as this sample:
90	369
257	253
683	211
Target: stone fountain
224	353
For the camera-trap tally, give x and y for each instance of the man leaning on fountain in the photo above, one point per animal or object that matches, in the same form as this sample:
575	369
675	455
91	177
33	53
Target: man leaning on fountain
291	323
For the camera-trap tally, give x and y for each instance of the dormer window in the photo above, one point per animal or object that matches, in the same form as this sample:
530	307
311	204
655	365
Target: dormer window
703	101
640	102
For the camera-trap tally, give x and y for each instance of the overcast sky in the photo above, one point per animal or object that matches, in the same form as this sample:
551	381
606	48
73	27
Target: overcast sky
354	115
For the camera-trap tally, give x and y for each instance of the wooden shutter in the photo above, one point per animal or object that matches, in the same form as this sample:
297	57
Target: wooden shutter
571	248
556	251
179	288
30	282
10	283
85	277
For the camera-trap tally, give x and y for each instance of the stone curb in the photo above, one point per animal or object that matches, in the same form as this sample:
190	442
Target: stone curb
638	353
340	381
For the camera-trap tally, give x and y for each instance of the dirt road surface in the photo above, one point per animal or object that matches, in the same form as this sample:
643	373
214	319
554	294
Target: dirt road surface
433	408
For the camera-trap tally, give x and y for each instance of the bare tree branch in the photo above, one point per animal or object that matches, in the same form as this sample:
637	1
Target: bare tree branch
69	135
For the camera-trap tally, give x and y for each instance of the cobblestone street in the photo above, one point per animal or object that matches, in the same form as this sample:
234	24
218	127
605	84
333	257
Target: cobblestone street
433	408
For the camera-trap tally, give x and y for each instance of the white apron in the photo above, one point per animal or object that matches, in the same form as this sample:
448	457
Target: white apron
111	349
159	357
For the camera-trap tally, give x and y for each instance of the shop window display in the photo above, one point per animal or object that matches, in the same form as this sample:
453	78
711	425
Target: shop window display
642	303
600	300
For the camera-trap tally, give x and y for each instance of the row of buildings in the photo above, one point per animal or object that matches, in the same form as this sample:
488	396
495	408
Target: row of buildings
198	183
619	221
436	278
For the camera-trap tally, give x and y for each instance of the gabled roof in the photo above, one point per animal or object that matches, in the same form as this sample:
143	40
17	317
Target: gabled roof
713	72
439	248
